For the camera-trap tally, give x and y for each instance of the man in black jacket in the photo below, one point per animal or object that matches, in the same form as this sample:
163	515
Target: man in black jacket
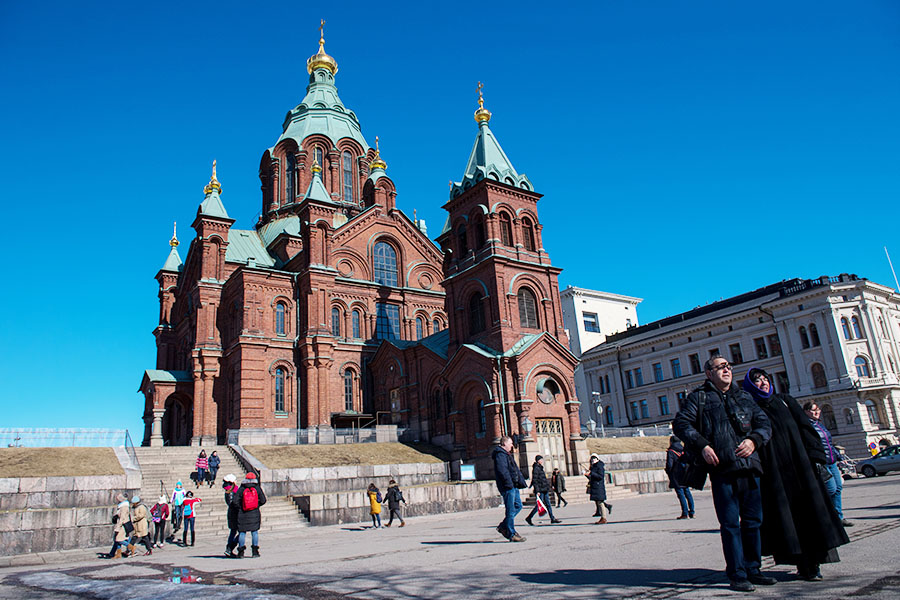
541	490
509	481
727	434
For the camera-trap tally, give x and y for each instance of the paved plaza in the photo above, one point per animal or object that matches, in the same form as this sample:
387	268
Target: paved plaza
642	553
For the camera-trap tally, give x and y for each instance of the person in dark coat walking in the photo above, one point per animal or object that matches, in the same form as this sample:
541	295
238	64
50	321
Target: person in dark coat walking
247	500
509	481
685	498
800	525
230	486
213	463
596	475
558	483
541	490
394	497
727	434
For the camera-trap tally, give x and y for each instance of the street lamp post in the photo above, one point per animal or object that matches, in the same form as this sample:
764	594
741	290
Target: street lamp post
596	396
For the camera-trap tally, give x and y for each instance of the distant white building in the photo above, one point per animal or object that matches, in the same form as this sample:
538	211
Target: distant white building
589	317
834	341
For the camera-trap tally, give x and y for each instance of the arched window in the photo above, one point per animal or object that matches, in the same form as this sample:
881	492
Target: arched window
463	241
356	334
804	339
857	330
436	404
479	233
505	230
476	314
862	366
609	414
848	416
482	417
320	160
435	326
385	264
527	309
347	160
348	390
336	322
818	376
528	234
290	168
420	328
828	417
845	328
279	390
872	411
448	400
814	335
279	319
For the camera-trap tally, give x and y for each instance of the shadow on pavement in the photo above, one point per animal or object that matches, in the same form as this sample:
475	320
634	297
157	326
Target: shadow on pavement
627	577
455	542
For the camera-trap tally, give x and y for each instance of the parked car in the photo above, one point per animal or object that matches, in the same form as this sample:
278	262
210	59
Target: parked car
886	460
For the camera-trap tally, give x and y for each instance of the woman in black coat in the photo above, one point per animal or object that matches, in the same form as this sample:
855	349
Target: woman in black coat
800	526
596	475
685	498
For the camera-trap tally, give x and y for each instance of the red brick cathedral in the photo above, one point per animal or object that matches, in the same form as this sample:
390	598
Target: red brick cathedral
338	311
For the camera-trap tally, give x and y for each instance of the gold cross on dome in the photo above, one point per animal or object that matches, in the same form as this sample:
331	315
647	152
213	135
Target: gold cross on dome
322	29
480	95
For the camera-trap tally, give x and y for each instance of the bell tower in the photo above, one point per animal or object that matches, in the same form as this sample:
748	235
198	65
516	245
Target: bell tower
500	283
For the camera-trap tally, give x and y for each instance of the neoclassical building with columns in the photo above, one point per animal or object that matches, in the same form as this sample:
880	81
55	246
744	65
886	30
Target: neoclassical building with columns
834	341
337	311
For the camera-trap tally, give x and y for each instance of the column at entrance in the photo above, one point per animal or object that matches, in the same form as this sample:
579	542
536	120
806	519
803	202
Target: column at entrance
156	436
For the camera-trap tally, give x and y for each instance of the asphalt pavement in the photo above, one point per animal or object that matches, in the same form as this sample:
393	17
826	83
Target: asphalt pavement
643	552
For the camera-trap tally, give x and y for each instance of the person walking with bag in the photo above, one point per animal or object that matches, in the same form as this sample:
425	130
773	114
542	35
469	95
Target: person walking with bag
213	462
558	483
541	490
721	422
800	525
190	516
140	519
394	497
121	516
685	498
375	500
248	499
177	506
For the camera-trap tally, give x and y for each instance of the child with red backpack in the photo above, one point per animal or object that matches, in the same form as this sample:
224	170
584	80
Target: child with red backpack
248	499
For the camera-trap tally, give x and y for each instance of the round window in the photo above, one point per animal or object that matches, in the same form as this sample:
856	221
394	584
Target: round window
547	390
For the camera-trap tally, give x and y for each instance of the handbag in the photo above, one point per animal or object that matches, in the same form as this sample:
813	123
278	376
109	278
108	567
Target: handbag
128	526
690	470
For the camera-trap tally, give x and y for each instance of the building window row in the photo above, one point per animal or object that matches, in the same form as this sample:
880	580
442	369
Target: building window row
810	339
851	329
387	325
507	238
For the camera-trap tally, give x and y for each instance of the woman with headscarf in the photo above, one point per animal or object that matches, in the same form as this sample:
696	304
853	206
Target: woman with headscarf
800	526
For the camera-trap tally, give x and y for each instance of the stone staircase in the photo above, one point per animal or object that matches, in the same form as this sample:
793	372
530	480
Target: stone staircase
173	463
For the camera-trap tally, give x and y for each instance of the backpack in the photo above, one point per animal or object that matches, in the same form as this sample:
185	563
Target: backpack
156	513
378	497
250	499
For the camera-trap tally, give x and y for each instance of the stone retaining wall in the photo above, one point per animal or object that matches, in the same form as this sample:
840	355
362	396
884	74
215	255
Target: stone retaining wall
42	514
353	506
642	472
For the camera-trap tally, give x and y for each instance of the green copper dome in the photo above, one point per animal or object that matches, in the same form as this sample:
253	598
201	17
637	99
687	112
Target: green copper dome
322	112
488	161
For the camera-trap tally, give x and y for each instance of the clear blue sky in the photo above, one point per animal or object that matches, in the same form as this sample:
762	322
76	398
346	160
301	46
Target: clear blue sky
687	151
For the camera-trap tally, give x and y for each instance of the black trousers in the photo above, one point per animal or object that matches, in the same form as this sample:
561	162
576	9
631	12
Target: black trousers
395	512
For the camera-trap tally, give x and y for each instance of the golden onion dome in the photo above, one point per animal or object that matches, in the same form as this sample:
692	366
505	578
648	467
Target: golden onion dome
174	241
321	60
213	182
377	162
315	166
482	115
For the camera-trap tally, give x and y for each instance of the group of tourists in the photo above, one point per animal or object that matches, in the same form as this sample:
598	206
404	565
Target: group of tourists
775	488
510	480
771	466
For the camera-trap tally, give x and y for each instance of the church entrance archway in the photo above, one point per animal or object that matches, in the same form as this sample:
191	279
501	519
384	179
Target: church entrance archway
178	421
549	434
